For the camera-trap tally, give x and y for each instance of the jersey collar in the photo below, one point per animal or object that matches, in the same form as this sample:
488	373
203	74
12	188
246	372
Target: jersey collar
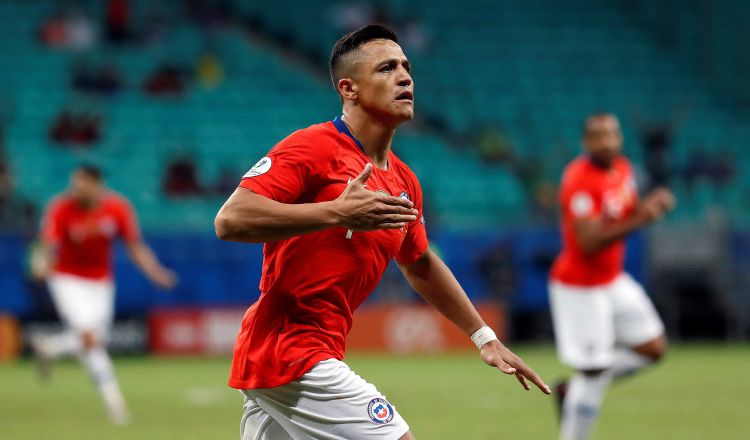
342	128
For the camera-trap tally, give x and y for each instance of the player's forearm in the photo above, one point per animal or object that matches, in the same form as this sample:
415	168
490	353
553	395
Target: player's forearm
257	219
144	259
597	235
432	279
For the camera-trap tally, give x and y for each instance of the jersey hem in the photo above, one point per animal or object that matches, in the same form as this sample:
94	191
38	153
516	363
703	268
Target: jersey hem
106	277
276	381
597	283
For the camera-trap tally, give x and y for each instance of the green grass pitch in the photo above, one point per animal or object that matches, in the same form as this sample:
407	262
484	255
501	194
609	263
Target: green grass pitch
700	392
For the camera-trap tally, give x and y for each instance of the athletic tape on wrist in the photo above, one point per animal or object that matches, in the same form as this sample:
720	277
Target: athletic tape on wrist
483	336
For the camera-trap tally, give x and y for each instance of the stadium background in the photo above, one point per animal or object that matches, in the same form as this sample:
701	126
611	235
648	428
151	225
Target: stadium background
176	100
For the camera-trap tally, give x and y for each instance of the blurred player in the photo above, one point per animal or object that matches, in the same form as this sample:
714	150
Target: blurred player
334	205
77	233
605	324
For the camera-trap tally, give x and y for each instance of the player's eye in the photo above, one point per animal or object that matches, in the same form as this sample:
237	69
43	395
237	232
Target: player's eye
386	68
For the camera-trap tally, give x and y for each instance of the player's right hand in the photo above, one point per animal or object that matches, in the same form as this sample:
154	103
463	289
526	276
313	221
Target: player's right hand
359	209
496	354
657	203
164	279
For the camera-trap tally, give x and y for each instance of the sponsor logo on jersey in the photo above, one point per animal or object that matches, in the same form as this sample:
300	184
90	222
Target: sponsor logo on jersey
581	204
380	411
259	168
108	226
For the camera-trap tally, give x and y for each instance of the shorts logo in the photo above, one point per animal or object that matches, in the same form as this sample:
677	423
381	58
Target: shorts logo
380	411
259	168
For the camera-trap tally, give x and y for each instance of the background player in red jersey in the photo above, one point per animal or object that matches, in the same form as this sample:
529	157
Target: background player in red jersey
605	325
334	205
77	233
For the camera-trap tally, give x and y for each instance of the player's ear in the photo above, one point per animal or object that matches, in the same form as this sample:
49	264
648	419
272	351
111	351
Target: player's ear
347	89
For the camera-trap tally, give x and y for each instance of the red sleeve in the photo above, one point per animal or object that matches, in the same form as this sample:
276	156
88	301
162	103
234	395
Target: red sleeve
415	243
578	197
289	168
52	228
127	221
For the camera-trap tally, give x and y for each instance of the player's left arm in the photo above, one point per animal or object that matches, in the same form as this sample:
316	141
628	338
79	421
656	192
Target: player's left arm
139	252
144	258
434	281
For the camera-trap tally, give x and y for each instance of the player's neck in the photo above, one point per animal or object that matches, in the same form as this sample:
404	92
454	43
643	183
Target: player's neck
604	165
375	137
89	202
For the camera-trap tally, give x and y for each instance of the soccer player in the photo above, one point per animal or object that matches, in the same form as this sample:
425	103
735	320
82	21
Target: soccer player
334	205
77	233
605	325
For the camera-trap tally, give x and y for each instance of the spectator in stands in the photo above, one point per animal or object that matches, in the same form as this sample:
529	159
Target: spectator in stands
210	14
657	143
181	178
104	79
724	169
167	80
227	181
350	15
71	29
494	147
76	128
209	70
17	214
117	21
717	169
414	36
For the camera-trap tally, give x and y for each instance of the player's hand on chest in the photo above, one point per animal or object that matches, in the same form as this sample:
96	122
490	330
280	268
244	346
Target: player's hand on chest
372	201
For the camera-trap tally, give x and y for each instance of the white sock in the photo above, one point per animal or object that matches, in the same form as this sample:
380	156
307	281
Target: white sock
582	403
627	362
99	366
62	344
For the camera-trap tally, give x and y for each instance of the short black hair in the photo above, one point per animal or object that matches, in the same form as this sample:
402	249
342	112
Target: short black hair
597	115
353	40
90	170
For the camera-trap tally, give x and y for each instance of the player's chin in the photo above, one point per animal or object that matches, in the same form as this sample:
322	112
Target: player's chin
404	112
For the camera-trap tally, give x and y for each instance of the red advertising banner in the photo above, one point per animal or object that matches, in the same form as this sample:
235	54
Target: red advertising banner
414	328
197	331
397	328
10	338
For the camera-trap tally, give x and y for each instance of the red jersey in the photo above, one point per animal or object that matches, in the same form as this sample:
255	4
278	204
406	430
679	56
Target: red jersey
312	283
588	190
83	236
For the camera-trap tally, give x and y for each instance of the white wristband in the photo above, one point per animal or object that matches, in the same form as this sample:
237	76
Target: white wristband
483	336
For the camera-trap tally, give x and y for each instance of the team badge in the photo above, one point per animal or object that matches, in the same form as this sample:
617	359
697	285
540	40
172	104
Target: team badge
380	411
259	168
404	195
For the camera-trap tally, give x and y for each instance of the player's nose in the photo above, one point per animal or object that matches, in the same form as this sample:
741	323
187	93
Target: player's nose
404	79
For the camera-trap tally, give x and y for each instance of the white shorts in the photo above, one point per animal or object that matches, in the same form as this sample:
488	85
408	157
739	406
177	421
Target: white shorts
329	402
83	304
590	322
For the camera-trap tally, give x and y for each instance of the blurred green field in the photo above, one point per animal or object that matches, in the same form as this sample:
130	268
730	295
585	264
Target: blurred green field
700	392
